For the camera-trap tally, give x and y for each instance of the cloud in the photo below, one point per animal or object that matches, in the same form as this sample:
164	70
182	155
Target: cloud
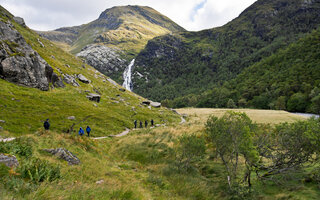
190	14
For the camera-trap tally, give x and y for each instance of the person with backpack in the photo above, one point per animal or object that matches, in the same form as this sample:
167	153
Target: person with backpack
146	123
152	122
46	124
135	123
81	131
140	125
88	130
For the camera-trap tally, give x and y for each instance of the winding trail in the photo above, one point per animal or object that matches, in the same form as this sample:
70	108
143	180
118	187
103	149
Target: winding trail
118	135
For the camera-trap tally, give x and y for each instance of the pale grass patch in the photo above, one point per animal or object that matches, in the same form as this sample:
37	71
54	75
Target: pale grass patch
259	116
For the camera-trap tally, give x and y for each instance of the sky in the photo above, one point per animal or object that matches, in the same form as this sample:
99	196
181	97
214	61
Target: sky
193	15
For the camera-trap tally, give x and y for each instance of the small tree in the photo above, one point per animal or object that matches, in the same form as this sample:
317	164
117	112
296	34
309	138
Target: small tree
231	136
190	149
231	104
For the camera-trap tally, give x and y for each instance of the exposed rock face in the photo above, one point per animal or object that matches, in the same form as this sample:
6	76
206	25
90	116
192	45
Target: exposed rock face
20	21
94	97
70	80
104	59
19	63
83	79
10	161
65	155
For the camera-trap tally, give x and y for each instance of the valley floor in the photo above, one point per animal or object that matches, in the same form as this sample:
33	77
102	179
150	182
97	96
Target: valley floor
141	165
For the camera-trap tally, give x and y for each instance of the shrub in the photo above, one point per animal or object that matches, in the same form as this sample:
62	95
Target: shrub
38	171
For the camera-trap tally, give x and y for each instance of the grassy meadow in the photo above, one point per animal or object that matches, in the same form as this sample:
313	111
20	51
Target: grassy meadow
143	165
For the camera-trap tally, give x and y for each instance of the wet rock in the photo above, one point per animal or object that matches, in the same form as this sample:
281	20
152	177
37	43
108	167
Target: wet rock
20	21
83	79
72	118
9	161
64	154
156	104
94	97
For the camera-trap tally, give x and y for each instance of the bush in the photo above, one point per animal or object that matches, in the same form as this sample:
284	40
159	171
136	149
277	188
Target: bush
38	171
190	149
19	147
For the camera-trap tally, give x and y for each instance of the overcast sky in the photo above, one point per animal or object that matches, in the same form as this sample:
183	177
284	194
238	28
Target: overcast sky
193	15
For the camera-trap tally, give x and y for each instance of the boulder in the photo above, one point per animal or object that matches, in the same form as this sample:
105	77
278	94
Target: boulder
146	102
2	121
83	79
99	182
64	154
20	21
71	117
122	89
10	161
156	104
70	80
94	97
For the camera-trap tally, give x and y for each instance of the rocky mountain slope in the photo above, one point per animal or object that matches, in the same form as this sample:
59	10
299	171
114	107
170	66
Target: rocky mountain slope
124	30
75	94
177	65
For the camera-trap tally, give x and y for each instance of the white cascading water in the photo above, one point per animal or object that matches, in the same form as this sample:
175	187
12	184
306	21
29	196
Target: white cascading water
127	76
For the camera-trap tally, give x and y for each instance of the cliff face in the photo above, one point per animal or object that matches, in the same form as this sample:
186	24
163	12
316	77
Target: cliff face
19	63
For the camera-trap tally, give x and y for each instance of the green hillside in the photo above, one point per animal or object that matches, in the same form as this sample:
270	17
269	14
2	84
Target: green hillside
127	28
25	109
288	80
189	63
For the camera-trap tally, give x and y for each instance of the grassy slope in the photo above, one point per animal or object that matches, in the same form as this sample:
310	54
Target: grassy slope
26	108
137	166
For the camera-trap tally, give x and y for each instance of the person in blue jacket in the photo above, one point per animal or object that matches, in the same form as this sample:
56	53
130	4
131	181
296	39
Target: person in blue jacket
81	131
88	130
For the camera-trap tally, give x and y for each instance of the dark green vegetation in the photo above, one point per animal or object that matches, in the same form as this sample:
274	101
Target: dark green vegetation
127	28
288	80
193	62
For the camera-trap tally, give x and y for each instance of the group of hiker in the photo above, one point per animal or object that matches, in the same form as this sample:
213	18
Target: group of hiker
141	125
46	126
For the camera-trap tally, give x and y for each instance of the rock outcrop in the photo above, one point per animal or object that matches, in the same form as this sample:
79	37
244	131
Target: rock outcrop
64	154
70	80
19	63
94	97
155	104
10	161
20	21
105	59
83	79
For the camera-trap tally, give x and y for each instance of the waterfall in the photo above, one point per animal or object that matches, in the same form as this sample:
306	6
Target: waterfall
127	77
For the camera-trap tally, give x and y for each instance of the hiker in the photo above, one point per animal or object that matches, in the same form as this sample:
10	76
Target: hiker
146	123
140	125
46	124
135	123
151	122
88	130
81	131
